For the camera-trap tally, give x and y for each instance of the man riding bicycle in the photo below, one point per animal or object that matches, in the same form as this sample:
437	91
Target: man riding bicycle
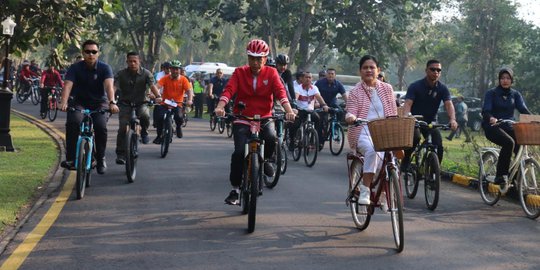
423	98
174	87
132	84
49	79
256	86
25	76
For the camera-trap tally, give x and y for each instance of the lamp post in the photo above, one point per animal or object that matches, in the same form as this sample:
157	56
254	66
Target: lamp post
6	95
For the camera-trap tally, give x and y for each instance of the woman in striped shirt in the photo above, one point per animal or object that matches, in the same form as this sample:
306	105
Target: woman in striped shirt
369	99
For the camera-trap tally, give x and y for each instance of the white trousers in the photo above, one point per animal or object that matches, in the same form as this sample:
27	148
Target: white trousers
372	160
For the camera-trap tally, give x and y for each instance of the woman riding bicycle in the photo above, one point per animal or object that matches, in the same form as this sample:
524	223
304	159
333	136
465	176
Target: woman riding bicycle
500	103
369	99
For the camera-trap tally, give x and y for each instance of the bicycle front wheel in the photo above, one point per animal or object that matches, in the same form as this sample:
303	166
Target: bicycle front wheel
254	177
337	140
298	144
131	153
53	109
166	137
529	189
35	96
432	181
221	126
82	171
311	148
21	97
489	192
284	158
360	212
396	210
213	122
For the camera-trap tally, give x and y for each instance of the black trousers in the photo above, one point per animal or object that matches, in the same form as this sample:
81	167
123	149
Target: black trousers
502	135
44	98
198	104
241	134
73	122
436	139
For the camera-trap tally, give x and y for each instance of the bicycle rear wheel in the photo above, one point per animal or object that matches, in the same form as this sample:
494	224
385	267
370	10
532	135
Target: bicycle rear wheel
131	153
166	137
360	212
284	158
432	181
410	177
529	189
337	140
396	210
20	95
489	192
255	174
53	109
298	144
245	189
82	172
311	148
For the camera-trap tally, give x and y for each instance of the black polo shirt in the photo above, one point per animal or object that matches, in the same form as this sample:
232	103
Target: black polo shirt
218	85
88	88
427	99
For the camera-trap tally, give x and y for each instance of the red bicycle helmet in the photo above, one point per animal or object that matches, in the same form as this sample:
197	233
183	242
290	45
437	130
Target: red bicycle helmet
257	48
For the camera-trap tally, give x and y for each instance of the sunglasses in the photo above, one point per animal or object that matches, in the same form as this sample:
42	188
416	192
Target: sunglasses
435	69
90	51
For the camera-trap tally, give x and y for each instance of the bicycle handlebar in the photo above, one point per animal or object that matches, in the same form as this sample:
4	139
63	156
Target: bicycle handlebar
87	111
424	124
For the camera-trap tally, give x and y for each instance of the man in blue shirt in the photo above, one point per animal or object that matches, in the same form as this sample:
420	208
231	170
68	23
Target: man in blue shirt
90	83
329	87
424	98
215	88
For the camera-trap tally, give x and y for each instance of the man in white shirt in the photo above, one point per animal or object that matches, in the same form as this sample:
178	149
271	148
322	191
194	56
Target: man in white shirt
306	95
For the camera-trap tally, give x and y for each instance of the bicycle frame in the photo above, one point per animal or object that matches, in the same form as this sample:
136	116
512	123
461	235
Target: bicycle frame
516	165
86	133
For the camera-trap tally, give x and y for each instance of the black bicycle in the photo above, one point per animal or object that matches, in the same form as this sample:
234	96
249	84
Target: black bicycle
52	103
334	132
133	133
280	153
185	113
167	131
425	166
306	141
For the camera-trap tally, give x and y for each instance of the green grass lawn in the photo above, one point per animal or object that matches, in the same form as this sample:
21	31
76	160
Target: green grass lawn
24	172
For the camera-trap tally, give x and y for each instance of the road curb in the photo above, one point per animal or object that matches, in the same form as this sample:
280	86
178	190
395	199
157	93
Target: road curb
57	176
461	180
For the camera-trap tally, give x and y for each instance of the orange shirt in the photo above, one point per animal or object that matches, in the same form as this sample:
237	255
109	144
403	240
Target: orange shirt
174	89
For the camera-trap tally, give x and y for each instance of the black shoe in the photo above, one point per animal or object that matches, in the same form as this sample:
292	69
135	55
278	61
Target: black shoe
120	160
448	138
500	180
157	140
232	199
179	131
42	115
321	146
70	165
269	169
101	166
145	139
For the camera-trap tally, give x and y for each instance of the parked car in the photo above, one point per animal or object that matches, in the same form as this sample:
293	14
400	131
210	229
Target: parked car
474	112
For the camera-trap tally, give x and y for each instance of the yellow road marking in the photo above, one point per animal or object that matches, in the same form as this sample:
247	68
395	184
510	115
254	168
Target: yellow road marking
17	258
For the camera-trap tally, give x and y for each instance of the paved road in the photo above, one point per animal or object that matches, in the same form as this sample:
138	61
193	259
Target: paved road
173	217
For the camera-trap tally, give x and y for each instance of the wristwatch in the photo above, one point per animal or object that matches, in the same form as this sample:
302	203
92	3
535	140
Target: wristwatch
112	102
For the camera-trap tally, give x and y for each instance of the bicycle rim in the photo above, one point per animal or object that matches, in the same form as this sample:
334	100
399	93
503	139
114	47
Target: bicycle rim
229	130
410	180
255	173
80	184
489	192
337	140
221	126
186	119
360	212
131	155
245	190
396	210
312	147
432	181
529	189
20	96
213	123
34	97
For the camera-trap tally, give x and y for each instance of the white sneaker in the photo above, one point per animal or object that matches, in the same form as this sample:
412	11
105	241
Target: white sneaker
364	195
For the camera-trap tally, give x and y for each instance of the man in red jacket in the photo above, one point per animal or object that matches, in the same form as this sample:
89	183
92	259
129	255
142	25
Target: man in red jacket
256	86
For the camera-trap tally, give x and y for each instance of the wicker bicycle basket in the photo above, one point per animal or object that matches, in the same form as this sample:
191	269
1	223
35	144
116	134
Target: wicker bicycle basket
527	133
392	133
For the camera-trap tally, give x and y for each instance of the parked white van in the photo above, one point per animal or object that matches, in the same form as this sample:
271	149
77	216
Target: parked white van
209	68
